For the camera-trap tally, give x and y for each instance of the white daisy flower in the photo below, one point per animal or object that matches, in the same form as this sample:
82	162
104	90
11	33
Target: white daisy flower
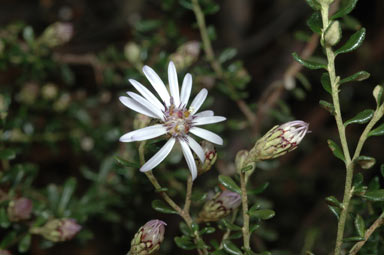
176	120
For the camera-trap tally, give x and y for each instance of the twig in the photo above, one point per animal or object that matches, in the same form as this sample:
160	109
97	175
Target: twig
228	232
187	203
244	202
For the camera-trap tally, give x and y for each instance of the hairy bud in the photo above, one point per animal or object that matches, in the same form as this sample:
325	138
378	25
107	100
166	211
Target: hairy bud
58	230
20	209
56	34
148	239
210	157
220	206
186	54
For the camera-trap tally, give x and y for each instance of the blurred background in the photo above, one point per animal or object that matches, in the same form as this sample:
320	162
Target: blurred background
61	117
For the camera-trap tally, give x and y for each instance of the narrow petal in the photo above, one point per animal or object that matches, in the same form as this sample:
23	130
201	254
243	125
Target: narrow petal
147	94
186	89
144	133
207	135
159	156
198	101
208	120
195	146
173	83
141	100
189	158
133	105
157	84
207	113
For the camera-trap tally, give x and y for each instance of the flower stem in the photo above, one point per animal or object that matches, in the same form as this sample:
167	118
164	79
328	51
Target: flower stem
244	202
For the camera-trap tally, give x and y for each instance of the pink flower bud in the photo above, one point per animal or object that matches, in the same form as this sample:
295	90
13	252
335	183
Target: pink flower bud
20	209
58	230
220	206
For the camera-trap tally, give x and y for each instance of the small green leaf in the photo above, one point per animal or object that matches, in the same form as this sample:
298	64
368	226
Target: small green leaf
377	131
8	239
332	201
365	162
185	229
358	179
230	184
259	189
353	239
361	118
4	221
231	248
184	243
126	163
163	189
375	195
7	154
24	243
336	150
160	206
264	214
360	225
326	83
207	230
227	54
314	4
327	106
254	227
68	189
335	210
359	76
308	63
231	226
314	22
344	9
353	42
28	34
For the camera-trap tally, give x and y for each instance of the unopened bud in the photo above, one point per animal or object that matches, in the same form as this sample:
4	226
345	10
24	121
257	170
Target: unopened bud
20	209
220	206
58	230
49	91
241	156
210	157
378	94
186	55
141	121
148	239
332	34
279	140
57	34
132	52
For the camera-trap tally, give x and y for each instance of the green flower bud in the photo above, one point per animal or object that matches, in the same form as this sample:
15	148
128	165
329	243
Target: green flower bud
49	91
132	52
148	239
56	34
220	206
186	54
241	156
210	157
279	140
58	230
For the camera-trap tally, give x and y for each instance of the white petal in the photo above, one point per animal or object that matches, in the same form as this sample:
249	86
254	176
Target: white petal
208	120
186	89
195	146
159	156
141	100
173	83
132	104
147	94
144	133
207	135
157	84
189	158
207	113
198	101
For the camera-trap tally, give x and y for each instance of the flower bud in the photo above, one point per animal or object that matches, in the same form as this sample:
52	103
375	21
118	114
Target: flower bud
279	140
220	206
20	209
56	34
148	239
210	157
49	91
186	55
132	52
58	230
241	156
5	252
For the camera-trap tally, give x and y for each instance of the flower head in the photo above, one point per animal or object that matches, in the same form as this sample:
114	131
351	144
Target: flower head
177	120
279	140
148	239
20	209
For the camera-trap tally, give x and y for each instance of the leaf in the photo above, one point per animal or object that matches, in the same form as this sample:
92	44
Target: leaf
353	239
24	243
353	42
360	118
375	195
7	154
327	106
326	83
332	34
8	239
358	179
187	231
160	206
227	54
378	94
66	194
184	243
4	221
359	76
336	150
207	230
308	63
259	189
231	248
126	163
254	227
314	4
314	22
335	210
365	162
377	131
344	9
332	201
230	184
231	226
360	225
264	214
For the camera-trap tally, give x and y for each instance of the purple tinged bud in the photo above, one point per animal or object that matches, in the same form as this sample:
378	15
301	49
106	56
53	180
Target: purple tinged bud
58	230
69	229
20	209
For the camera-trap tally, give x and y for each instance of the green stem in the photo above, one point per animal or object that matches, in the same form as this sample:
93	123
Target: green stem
187	203
244	202
228	232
